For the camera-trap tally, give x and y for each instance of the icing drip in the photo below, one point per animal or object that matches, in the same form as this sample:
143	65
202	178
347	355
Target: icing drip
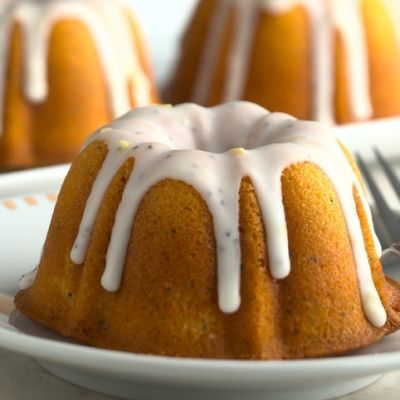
347	19
322	63
210	54
243	36
250	140
109	27
325	16
27	280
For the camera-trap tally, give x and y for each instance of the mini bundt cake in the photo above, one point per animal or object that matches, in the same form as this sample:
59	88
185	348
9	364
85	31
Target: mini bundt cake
327	60
228	232
66	68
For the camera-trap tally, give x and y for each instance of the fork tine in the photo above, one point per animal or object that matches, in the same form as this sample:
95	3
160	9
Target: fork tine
394	180
388	216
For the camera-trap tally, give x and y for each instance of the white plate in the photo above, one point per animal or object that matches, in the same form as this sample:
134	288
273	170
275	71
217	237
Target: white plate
362	137
134	376
22	230
26	203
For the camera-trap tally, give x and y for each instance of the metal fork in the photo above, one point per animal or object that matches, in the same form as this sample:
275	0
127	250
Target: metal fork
386	221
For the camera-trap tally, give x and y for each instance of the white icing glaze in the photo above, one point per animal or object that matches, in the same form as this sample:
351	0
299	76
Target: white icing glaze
209	58
108	24
27	280
348	20
242	37
213	150
325	17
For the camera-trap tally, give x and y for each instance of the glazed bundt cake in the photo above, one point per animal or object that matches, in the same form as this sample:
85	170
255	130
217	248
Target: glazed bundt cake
66	68
327	60
228	232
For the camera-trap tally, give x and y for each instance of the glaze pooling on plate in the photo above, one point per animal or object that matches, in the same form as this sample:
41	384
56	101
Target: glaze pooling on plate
108	23
325	17
213	150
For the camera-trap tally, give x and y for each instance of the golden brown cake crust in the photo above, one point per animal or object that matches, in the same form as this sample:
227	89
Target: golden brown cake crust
167	303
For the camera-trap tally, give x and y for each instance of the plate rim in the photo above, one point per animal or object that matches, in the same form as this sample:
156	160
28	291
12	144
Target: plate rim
141	366
133	366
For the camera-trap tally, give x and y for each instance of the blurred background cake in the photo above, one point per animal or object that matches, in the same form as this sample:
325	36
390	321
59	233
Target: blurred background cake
329	60
66	67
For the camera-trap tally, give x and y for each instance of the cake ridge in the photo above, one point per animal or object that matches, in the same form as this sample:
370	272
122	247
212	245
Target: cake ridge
157	157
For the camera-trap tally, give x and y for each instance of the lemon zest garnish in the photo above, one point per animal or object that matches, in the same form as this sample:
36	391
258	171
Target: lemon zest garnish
123	145
238	150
